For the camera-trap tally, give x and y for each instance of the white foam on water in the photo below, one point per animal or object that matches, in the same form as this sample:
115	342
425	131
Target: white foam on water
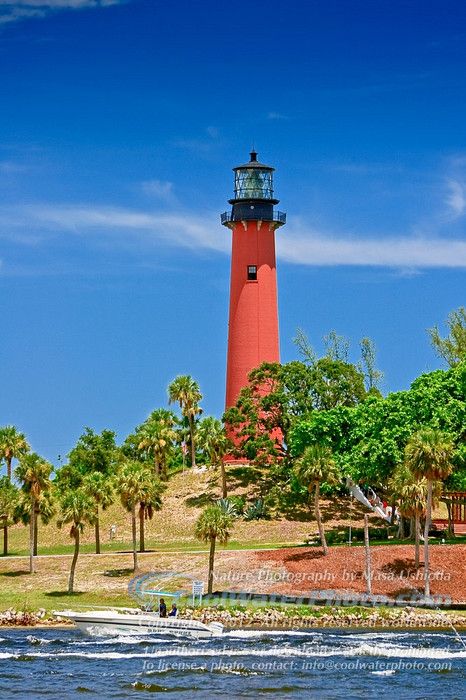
252	634
122	639
388	672
40	640
280	652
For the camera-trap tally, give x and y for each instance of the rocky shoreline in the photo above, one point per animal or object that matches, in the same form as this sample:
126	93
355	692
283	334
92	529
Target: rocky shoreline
269	618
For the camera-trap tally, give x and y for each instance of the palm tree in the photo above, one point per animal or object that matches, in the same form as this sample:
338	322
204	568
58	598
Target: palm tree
412	497
99	487
45	510
396	483
8	502
428	454
213	440
156	437
149	501
34	473
13	444
315	466
78	508
213	524
185	391
137	486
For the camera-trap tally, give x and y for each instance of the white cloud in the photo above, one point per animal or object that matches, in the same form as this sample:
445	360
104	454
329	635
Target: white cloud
404	252
13	11
195	231
160	189
127	226
456	198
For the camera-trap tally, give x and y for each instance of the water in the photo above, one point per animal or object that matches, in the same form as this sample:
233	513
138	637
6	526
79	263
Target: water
323	664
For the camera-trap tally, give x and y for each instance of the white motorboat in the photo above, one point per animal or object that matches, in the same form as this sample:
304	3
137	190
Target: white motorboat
135	621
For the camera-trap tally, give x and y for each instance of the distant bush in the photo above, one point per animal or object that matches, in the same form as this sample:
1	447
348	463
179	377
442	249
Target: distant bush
239	503
228	507
257	510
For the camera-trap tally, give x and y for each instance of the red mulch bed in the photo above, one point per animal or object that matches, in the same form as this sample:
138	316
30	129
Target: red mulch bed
300	570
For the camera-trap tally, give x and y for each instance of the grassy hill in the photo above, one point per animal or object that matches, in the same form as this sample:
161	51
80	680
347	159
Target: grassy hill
172	527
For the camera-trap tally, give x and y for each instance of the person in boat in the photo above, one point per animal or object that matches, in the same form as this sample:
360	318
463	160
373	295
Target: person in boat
162	608
174	611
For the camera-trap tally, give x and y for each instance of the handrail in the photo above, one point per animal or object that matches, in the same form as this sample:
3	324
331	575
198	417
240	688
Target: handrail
278	216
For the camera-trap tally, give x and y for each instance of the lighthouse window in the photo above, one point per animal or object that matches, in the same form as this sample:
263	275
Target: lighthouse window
252	272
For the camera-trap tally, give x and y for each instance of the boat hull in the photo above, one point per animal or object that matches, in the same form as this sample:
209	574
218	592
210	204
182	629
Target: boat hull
98	623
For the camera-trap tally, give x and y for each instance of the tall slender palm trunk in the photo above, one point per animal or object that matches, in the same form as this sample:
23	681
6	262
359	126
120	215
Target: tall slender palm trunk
5	535
135	543
5	528
75	559
426	539
367	551
210	584
320	524
32	521
193	446
224	479
142	543
97	529
36	530
417	539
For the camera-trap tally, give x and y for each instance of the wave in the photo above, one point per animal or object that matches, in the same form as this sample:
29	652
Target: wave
31	639
363	649
387	672
252	634
121	639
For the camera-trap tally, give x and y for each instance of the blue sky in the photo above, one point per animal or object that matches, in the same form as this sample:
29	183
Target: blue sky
119	125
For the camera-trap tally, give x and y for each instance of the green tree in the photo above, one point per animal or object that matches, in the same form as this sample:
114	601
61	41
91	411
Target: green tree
94	452
156	438
213	440
336	383
91	466
213	525
150	500
315	466
8	501
280	396
99	487
185	391
34	473
13	444
428	455
452	348
304	346
138	487
411	494
78	508
44	509
336	347
373	376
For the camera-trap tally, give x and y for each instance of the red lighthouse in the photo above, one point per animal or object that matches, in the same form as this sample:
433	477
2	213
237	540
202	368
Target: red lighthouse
253	323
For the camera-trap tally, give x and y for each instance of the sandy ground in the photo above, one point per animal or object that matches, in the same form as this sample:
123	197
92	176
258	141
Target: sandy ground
291	571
